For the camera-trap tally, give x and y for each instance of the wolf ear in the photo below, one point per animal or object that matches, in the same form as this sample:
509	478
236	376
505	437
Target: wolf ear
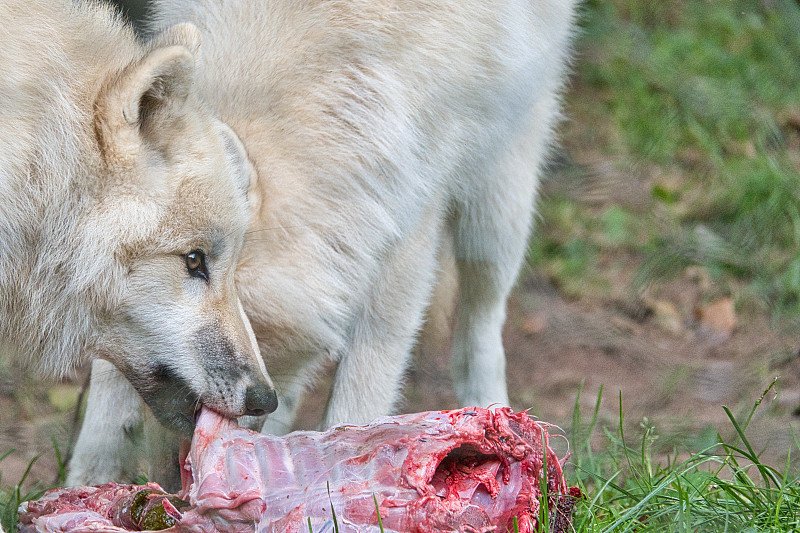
184	34
242	169
160	80
147	91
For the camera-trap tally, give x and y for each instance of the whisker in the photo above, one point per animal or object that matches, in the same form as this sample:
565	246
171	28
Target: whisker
275	228
237	229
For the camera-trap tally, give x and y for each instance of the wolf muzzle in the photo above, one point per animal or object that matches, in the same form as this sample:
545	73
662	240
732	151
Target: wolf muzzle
260	399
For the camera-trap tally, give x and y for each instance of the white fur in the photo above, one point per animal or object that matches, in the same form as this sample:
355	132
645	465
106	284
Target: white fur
379	131
110	173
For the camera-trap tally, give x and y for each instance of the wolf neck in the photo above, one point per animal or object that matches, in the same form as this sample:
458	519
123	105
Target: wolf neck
56	55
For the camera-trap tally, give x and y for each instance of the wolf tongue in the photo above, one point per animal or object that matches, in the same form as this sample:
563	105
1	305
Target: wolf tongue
186	469
209	425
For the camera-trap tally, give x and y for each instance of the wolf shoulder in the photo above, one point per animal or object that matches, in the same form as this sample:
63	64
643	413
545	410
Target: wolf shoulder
415	49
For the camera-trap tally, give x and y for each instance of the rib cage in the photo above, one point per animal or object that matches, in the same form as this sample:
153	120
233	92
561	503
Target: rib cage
464	470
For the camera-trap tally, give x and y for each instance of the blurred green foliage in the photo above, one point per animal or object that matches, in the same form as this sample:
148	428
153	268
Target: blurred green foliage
708	95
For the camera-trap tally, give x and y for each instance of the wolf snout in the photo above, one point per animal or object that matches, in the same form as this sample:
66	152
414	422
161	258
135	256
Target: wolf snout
260	399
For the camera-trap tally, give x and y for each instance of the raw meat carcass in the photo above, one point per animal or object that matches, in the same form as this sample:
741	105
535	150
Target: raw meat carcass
467	470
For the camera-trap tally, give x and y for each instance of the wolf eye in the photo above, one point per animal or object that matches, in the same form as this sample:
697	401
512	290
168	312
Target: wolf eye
196	264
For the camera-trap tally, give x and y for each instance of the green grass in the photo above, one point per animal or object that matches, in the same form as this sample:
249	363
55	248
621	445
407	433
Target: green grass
722	488
698	105
12	495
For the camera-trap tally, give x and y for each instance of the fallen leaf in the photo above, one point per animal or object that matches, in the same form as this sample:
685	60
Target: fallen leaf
717	319
667	316
534	324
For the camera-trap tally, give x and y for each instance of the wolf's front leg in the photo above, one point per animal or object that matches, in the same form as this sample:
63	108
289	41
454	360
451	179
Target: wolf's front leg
367	383
107	447
370	372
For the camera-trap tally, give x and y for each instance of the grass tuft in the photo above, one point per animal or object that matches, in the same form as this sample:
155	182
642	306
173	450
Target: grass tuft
12	496
721	488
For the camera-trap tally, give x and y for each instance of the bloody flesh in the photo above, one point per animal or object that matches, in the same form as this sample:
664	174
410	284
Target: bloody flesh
462	470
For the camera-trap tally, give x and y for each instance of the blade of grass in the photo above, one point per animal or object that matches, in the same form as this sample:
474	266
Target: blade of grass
61	477
333	511
544	500
751	455
758	402
378	512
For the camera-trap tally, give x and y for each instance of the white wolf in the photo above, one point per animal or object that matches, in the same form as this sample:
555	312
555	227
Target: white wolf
381	133
122	212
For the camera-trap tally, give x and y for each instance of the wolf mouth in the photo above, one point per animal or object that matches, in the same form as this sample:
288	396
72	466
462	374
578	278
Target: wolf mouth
172	401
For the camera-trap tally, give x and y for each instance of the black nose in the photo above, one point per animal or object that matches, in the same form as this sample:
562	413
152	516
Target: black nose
260	399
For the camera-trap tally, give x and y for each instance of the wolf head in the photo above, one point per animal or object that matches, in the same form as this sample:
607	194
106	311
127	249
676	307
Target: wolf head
172	210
